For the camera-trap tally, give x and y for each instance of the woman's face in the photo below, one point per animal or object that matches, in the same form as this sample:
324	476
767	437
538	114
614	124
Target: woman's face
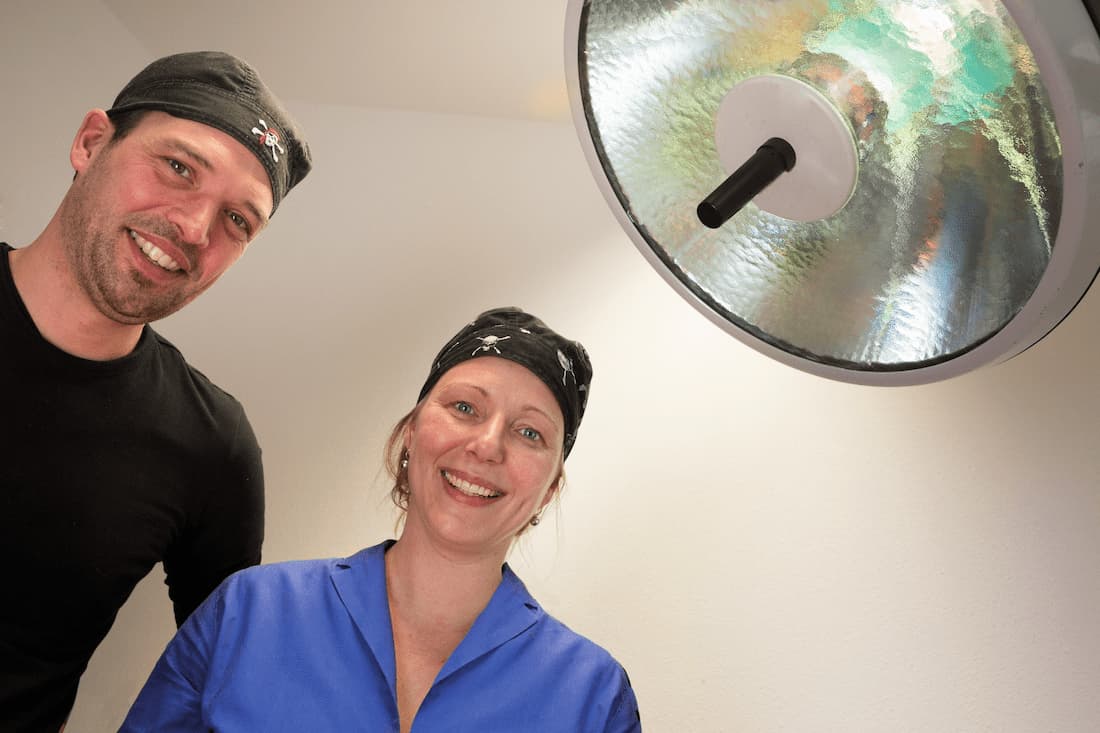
485	454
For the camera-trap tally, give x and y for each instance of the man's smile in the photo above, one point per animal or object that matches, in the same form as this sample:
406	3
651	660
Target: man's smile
154	253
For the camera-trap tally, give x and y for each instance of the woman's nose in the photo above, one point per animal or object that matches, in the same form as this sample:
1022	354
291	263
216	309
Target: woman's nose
487	442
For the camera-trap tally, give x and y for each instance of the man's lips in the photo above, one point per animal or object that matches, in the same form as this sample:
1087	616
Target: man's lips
154	253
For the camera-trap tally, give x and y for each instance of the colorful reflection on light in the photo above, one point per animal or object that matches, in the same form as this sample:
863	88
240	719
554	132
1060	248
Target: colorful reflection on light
956	209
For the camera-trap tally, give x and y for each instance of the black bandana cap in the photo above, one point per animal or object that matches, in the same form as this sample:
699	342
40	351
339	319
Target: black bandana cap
223	91
509	333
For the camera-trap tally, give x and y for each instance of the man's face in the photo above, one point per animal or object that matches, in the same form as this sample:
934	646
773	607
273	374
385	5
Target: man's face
155	218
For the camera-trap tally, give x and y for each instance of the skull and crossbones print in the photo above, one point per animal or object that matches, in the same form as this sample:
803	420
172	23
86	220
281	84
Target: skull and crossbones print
489	342
269	137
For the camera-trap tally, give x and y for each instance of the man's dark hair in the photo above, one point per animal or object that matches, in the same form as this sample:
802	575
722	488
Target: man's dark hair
125	122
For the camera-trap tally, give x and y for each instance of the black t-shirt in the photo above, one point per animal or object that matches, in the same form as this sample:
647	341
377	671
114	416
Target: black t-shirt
107	468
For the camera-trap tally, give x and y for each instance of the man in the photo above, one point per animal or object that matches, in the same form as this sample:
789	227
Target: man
115	454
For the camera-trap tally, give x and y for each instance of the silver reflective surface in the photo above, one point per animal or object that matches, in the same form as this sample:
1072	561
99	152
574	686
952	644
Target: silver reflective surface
956	207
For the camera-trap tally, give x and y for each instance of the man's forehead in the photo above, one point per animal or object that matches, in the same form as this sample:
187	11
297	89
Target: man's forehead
224	92
215	151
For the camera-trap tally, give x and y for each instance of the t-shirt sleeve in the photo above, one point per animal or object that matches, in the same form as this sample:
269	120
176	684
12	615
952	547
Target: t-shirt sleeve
227	533
171	700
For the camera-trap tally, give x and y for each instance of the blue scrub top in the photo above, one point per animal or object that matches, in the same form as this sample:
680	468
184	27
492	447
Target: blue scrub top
307	646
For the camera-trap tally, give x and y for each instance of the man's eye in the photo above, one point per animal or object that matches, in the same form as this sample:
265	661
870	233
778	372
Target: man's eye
240	222
530	434
179	167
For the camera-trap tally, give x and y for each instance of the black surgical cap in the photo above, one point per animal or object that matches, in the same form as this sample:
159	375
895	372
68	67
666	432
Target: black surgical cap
509	333
223	91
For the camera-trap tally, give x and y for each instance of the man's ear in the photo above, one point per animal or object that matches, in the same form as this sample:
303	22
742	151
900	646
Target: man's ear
93	135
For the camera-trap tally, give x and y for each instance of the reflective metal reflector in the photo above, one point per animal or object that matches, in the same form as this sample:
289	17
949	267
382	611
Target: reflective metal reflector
947	167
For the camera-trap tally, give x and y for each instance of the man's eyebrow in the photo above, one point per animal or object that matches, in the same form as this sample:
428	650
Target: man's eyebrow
260	218
182	147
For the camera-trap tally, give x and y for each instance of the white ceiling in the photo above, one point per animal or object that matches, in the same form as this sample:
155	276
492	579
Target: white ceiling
500	58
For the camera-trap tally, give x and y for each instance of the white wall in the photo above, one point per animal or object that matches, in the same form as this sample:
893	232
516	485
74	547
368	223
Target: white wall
762	549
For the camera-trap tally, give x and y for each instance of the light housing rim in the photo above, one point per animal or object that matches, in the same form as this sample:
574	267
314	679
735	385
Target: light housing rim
1066	46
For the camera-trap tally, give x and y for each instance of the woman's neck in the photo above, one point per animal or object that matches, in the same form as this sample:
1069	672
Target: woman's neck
428	586
434	599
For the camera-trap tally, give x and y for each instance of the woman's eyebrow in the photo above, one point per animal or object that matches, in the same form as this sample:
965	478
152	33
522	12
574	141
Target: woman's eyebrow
540	411
482	391
467	385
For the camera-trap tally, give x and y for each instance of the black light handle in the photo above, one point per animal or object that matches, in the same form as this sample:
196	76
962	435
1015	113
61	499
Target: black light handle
771	160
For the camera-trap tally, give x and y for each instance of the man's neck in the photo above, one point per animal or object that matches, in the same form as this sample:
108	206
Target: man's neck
61	311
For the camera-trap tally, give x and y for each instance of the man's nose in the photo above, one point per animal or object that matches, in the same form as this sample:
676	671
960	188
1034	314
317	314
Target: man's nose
194	218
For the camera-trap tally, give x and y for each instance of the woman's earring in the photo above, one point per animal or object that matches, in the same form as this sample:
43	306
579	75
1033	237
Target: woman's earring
536	519
405	460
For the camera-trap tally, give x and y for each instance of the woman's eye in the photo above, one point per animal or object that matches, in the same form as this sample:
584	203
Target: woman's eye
530	433
465	407
179	168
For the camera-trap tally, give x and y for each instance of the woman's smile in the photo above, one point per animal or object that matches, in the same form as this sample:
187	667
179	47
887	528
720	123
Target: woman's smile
483	455
469	488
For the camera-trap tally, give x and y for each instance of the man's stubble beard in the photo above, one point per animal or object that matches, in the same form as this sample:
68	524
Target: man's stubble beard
123	295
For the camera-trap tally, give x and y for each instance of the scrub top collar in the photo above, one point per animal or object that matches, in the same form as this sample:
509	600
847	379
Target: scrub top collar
360	582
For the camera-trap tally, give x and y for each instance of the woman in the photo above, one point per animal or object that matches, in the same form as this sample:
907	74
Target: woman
431	632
